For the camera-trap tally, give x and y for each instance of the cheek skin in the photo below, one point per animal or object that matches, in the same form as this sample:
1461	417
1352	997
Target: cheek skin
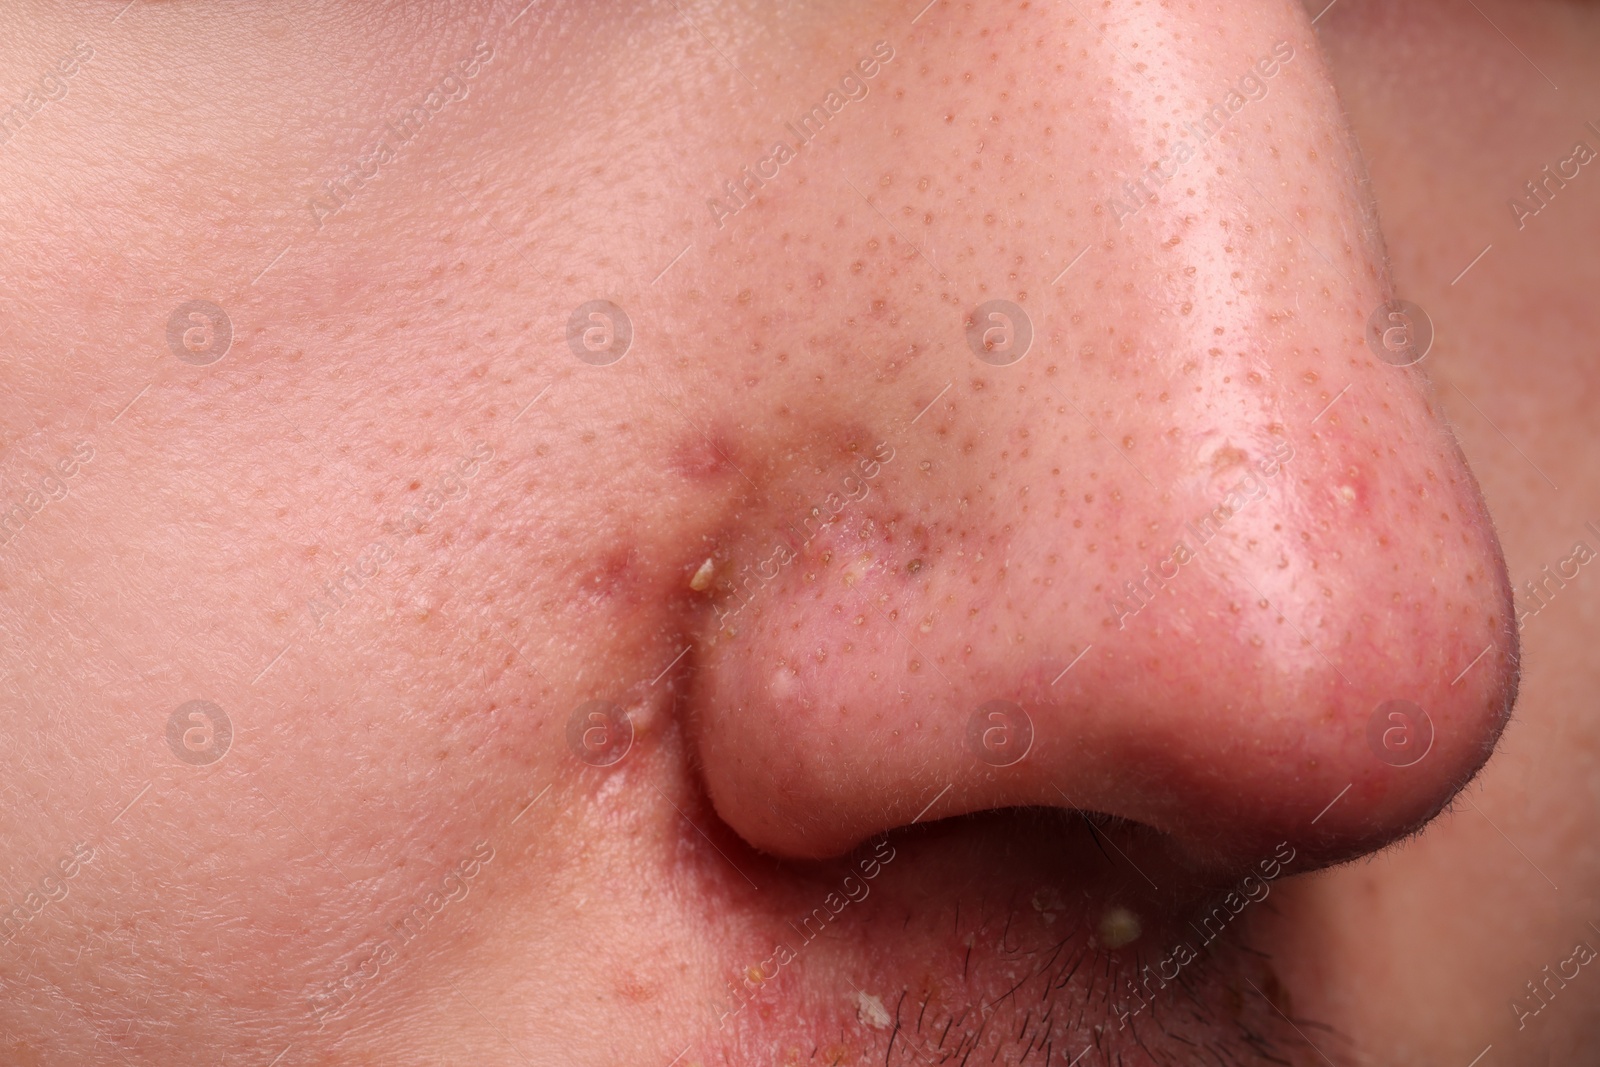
1199	340
1187	345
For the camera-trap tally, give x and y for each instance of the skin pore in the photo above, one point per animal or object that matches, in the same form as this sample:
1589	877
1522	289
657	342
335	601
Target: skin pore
594	359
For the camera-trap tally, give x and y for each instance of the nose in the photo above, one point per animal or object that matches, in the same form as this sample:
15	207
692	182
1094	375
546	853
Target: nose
1182	540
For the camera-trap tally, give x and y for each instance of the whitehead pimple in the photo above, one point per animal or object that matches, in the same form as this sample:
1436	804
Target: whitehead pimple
1119	927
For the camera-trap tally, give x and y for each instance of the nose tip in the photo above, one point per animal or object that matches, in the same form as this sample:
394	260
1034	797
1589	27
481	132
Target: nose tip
1229	693
1322	662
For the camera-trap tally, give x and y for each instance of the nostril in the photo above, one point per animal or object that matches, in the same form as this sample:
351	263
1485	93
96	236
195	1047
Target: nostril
1331	661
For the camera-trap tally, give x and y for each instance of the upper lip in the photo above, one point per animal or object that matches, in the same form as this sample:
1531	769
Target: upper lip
991	929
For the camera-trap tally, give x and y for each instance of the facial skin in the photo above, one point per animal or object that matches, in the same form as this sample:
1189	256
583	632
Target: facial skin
974	705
